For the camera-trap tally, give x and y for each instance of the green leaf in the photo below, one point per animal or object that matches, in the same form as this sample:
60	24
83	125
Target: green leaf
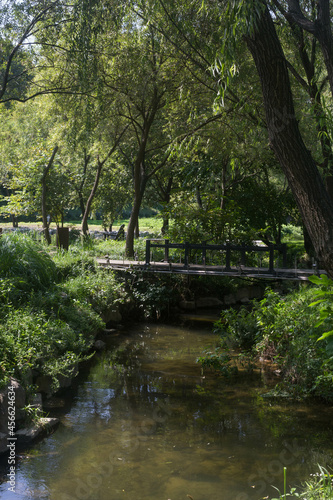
316	302
323	280
326	335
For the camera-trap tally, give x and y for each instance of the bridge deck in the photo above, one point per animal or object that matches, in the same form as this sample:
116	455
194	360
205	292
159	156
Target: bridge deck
209	270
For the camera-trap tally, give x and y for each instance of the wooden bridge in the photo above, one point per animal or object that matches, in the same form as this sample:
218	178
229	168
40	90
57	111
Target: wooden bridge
232	261
229	260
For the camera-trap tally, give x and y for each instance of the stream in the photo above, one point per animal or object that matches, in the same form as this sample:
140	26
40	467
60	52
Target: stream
144	423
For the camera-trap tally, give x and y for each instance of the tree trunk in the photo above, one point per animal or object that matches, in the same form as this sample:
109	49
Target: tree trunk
198	197
14	220
139	189
296	161
137	229
44	191
84	226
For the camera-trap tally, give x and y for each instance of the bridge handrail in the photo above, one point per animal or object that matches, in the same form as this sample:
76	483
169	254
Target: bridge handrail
228	247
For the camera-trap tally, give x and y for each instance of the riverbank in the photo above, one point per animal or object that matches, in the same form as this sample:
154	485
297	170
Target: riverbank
51	310
53	307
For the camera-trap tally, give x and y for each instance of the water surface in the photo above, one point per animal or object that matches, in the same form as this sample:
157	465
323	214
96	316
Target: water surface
147	424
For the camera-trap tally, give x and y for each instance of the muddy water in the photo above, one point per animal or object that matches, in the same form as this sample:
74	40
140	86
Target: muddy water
146	424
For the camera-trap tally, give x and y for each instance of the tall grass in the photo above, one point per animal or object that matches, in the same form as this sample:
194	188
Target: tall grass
27	262
318	487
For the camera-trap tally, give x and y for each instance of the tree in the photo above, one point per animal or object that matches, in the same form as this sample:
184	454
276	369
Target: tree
143	79
113	194
44	195
296	160
251	21
22	26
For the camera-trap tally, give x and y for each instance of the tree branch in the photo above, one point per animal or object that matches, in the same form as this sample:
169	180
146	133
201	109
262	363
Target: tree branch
296	14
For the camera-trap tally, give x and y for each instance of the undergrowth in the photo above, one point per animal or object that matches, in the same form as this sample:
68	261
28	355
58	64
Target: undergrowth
50	309
318	487
285	331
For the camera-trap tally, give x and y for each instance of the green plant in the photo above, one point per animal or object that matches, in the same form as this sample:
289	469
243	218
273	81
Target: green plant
319	487
219	361
282	329
25	261
100	289
32	414
73	263
324	300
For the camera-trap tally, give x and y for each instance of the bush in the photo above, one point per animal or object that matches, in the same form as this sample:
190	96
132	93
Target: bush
99	289
39	338
45	325
283	329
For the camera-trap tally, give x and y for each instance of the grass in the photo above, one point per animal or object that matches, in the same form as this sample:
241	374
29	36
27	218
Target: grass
318	487
146	224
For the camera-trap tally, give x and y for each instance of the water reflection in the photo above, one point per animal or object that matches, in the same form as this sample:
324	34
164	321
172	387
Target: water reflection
146	424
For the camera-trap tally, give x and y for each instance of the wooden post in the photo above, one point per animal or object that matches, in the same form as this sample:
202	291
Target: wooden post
271	259
227	258
187	248
147	252
166	251
204	243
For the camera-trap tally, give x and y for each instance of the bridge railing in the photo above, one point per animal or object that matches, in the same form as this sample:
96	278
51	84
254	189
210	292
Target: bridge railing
228	248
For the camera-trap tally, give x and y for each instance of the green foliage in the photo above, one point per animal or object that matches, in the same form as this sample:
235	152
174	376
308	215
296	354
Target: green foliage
32	414
24	262
218	361
319	487
152	296
73	263
283	329
324	300
100	290
239	328
45	325
39	338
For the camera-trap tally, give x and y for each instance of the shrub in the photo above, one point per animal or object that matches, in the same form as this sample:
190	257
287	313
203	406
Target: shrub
283	330
37	339
100	289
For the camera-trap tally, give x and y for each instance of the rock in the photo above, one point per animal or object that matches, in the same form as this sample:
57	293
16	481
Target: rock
66	381
110	331
243	294
36	401
256	292
19	401
208	302
28	434
26	375
44	384
99	345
